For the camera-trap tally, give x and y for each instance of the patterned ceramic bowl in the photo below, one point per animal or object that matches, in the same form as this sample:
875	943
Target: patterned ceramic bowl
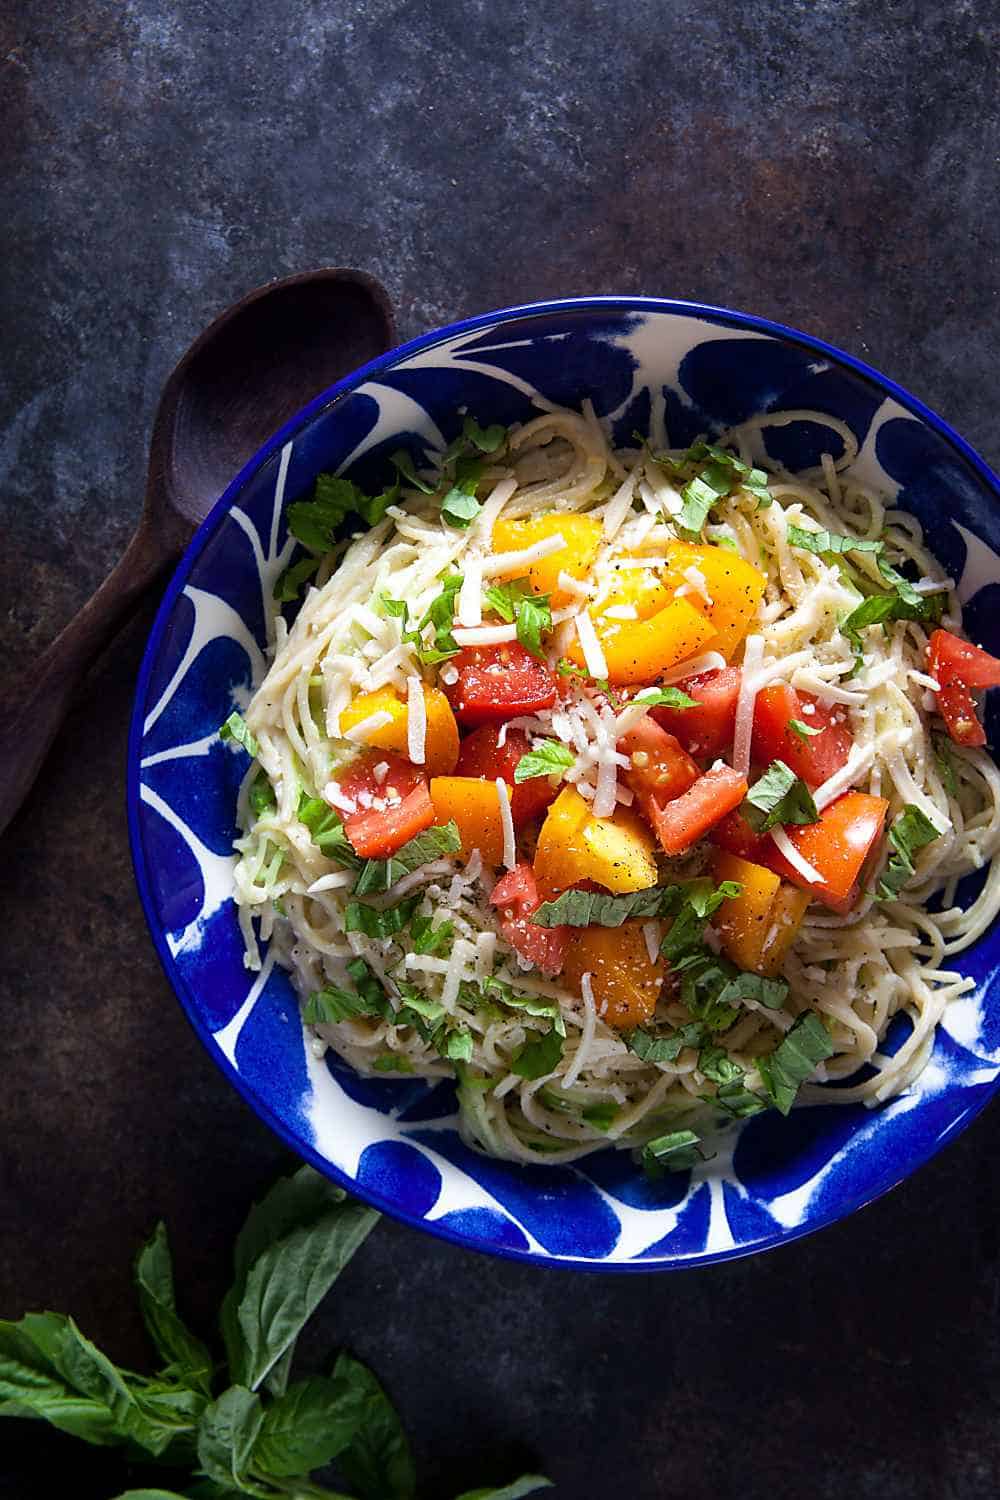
394	1142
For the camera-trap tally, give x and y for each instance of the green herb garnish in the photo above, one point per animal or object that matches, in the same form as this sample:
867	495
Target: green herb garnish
546	758
360	916
677	1152
802	731
434	843
288	583
235	732
911	831
778	797
794	1060
665	697
596	909
538	1056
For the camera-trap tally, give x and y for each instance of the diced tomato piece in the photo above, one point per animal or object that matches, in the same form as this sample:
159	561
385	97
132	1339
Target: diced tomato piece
680	823
815	758
959	666
660	769
707	730
836	847
499	682
402	804
480	755
516	894
950	657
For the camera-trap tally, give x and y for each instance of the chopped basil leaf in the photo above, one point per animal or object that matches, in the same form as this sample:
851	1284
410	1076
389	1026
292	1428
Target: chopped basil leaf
658	1049
398	609
235	732
691	904
315	522
830	542
718	1067
779	796
945	762
332	1003
359	916
704	978
737	1100
538	1057
676	1152
699	495
380	874
596	909
459	509
802	731
746	986
486	439
261	796
327	830
426	938
794	1060
532	1005
668	697
546	758
425	1015
457	1045
722	474
392	1062
441	617
533	616
910	832
504	598
601	1116
403	462
289	582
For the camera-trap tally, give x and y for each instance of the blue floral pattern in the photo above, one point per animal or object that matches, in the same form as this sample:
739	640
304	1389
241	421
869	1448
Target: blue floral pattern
664	367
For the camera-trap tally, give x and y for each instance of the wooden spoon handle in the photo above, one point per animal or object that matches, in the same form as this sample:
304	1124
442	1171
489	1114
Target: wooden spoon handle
33	708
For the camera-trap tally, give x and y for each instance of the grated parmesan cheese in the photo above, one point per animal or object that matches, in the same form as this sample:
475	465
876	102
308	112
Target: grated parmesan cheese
651	935
587	1033
509	564
470	595
858	761
507	824
336	798
752	657
788	849
416	720
374	722
619	505
485	635
593	653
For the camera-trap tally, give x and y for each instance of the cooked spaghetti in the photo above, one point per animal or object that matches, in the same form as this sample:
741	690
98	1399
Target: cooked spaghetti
632	788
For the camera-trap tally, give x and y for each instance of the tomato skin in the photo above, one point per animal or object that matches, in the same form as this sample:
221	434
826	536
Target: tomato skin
816	758
837	846
664	770
959	666
480	755
705	731
496	683
516	894
376	832
680	823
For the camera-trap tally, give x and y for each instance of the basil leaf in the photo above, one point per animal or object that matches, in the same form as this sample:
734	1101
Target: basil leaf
152	1495
539	1056
911	831
235	731
327	830
315	522
227	1433
459	509
698	496
177	1346
457	1045
533	616
601	1116
778	797
676	1152
31	1384
802	731
532	1005
396	609
692	904
945	762
736	1100
261	796
595	908
830	542
667	697
288	583
392	1062
359	916
440	616
426	938
434	843
664	1048
377	1461
402	461
486	439
746	986
308	1426
794	1060
528	1484
419	1011
546	758
332	1004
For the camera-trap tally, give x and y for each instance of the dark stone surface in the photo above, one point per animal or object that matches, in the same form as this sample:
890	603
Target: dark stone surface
830	164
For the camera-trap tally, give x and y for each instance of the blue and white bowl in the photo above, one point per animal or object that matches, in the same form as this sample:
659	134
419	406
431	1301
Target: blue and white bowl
394	1142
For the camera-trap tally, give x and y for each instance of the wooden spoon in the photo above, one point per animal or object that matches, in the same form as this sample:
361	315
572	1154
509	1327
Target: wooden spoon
251	370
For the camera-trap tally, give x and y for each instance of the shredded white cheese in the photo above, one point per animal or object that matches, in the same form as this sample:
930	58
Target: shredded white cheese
507	824
858	762
331	882
651	935
619	505
485	635
336	798
709	661
470	596
794	858
361	732
752	657
416	721
575	586
621	612
500	564
586	1041
486	947
593	653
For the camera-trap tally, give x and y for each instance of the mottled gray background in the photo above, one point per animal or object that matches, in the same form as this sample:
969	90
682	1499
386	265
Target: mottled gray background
833	164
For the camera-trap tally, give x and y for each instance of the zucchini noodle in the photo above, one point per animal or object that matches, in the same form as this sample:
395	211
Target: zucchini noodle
856	971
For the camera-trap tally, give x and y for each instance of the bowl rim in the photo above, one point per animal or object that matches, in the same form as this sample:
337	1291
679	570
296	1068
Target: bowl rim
886	1180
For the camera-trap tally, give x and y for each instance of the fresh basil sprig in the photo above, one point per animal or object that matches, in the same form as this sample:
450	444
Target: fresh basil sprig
794	1060
545	758
778	797
315	522
665	697
247	1429
911	831
515	603
712	473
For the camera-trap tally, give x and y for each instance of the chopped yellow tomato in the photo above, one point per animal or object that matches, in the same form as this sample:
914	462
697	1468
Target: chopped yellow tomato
757	927
581	534
441	741
637	651
735	588
574	846
474	806
625	981
633	588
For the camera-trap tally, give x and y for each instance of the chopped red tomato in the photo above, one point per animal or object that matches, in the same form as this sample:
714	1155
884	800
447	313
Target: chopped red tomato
660	768
391	810
480	755
815	758
836	847
707	730
516	894
680	823
499	682
959	666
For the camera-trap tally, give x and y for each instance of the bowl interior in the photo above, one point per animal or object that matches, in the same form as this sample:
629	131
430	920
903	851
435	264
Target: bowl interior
649	366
